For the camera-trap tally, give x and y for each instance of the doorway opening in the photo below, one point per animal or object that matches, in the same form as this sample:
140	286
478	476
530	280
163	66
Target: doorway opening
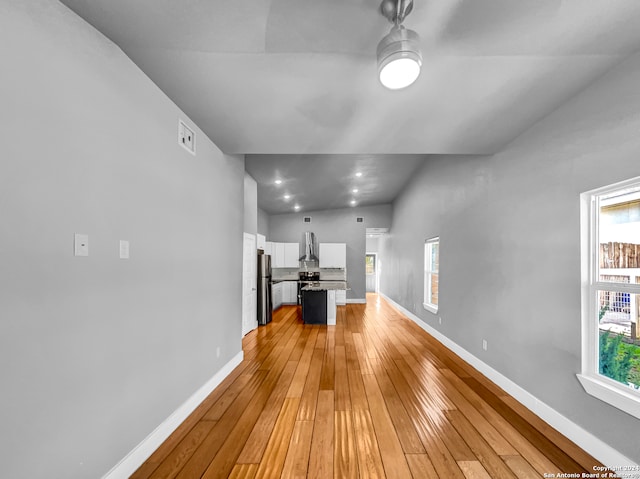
371	272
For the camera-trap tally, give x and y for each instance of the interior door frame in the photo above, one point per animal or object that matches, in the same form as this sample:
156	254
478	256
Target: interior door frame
375	274
249	284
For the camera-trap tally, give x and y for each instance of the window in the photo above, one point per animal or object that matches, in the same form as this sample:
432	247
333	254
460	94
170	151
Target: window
370	264
431	268
611	294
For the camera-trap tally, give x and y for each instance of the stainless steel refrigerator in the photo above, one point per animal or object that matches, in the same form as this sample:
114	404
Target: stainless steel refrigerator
265	305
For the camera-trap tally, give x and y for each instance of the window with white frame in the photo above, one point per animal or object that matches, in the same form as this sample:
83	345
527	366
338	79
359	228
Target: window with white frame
431	275
611	294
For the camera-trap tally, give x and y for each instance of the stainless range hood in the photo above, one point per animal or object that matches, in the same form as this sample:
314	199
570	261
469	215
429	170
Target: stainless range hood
309	247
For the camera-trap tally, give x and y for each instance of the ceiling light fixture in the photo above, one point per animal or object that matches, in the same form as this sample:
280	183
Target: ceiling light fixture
353	202
399	56
286	197
278	182
296	207
359	174
355	190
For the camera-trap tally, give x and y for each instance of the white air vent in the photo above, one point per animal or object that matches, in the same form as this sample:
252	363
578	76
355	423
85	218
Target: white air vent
186	137
307	219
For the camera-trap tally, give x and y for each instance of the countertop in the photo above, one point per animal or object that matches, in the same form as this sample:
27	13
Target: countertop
281	280
325	286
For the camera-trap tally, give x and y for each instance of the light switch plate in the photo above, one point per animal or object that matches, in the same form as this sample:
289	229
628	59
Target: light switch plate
124	249
81	245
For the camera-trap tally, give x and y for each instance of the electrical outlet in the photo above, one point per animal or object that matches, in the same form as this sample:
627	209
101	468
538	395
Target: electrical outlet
218	352
484	344
439	320
186	137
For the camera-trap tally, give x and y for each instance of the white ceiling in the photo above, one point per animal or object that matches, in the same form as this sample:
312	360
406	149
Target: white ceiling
298	77
319	182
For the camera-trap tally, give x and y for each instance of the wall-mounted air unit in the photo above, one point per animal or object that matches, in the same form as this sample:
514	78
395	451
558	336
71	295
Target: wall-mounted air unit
377	231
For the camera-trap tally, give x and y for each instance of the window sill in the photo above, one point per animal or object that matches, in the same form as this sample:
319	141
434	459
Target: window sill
626	401
430	307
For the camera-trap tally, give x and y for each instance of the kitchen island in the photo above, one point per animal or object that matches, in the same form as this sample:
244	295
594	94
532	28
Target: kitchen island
319	301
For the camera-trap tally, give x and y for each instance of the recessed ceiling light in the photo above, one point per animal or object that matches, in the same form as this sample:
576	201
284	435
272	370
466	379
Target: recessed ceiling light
278	182
296	207
286	197
355	190
353	202
359	174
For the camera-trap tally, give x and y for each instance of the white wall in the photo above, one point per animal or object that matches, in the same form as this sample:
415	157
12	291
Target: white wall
263	222
96	352
250	205
510	246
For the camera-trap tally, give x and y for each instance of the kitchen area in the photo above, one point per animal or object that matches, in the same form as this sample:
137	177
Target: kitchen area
308	274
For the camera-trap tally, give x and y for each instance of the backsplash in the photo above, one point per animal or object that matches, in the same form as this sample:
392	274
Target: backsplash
284	274
326	274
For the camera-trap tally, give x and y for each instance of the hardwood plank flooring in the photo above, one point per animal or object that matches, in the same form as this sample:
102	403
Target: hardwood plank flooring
372	397
321	457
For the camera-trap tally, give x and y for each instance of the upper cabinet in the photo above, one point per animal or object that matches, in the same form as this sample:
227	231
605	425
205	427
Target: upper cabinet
333	255
261	242
291	255
283	255
277	255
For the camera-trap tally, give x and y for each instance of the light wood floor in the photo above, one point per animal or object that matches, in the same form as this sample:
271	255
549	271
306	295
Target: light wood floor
373	396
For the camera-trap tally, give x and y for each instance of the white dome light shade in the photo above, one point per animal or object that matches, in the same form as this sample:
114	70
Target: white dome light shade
399	58
399	73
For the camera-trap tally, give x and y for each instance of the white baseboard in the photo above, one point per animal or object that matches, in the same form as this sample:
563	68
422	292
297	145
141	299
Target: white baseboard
132	461
357	301
606	454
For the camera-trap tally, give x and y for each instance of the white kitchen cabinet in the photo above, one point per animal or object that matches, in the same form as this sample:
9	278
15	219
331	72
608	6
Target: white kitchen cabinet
277	255
283	255
333	255
291	255
284	292
260	242
268	249
289	292
276	295
341	297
